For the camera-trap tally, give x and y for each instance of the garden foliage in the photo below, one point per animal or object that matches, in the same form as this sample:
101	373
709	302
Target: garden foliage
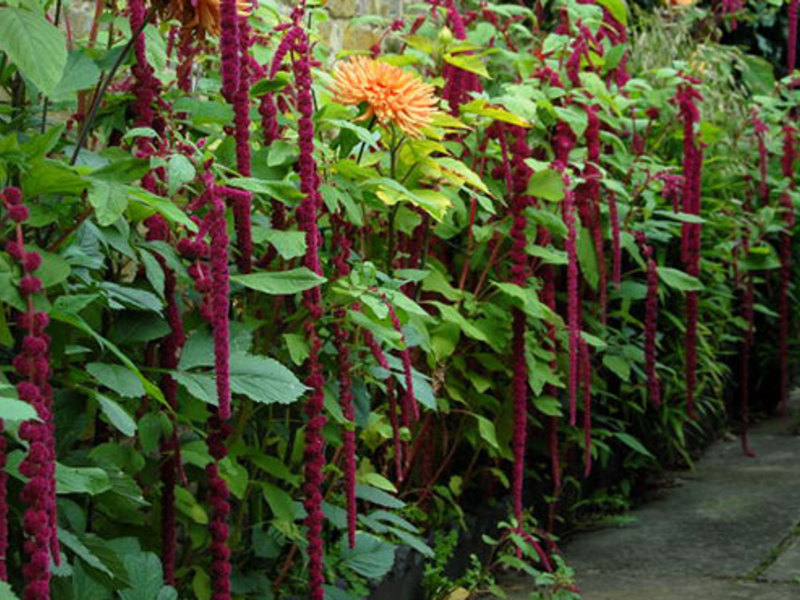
268	313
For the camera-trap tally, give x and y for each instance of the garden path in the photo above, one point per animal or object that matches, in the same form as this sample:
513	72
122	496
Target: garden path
728	530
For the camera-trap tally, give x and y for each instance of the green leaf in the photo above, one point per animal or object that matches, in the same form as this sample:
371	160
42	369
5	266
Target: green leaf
12	409
117	378
80	73
618	365
680	280
487	431
379	481
587	258
546	184
72	542
53	270
109	200
149	584
632	443
6	593
81	480
116	415
278	283
36	46
468	62
617	8
50	177
376	496
280	502
180	171
371	557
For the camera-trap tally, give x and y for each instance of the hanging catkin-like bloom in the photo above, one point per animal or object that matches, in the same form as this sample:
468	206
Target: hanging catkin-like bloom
587	196
3	506
563	143
212	279
459	83
341	340
312	300
410	406
791	50
518	174
392	95
650	320
787	168
586	371
383	363
761	131
169	351
33	368
686	98
748	301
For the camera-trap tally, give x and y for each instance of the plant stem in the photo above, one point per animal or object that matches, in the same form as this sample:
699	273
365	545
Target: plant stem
101	92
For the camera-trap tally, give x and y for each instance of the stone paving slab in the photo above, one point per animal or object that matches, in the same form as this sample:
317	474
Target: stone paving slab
786	567
725	531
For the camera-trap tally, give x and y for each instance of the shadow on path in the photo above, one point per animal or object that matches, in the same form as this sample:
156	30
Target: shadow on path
729	530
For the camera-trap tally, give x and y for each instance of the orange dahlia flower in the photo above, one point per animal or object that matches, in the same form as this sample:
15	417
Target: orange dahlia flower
205	14
391	94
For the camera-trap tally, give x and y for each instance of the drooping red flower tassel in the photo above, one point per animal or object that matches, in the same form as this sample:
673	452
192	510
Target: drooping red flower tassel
586	371
458	82
761	130
791	51
383	362
169	352
3	506
520	392
686	98
341	339
787	167
563	142
616	246
307	221
748	299
588	199
33	367
212	279
235	41
410	406
650	321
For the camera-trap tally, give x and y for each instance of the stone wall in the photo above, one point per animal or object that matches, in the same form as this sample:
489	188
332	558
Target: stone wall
342	33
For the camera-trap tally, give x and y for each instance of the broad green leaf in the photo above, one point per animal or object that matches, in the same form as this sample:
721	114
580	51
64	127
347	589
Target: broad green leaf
180	171
36	46
6	593
12	409
376	496
278	283
109	200
617	8
280	502
81	480
546	184
679	280
371	557
80	73
50	177
487	431
632	443
53	270
116	415
377	480
468	62
77	322
289	244
618	365
481	107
